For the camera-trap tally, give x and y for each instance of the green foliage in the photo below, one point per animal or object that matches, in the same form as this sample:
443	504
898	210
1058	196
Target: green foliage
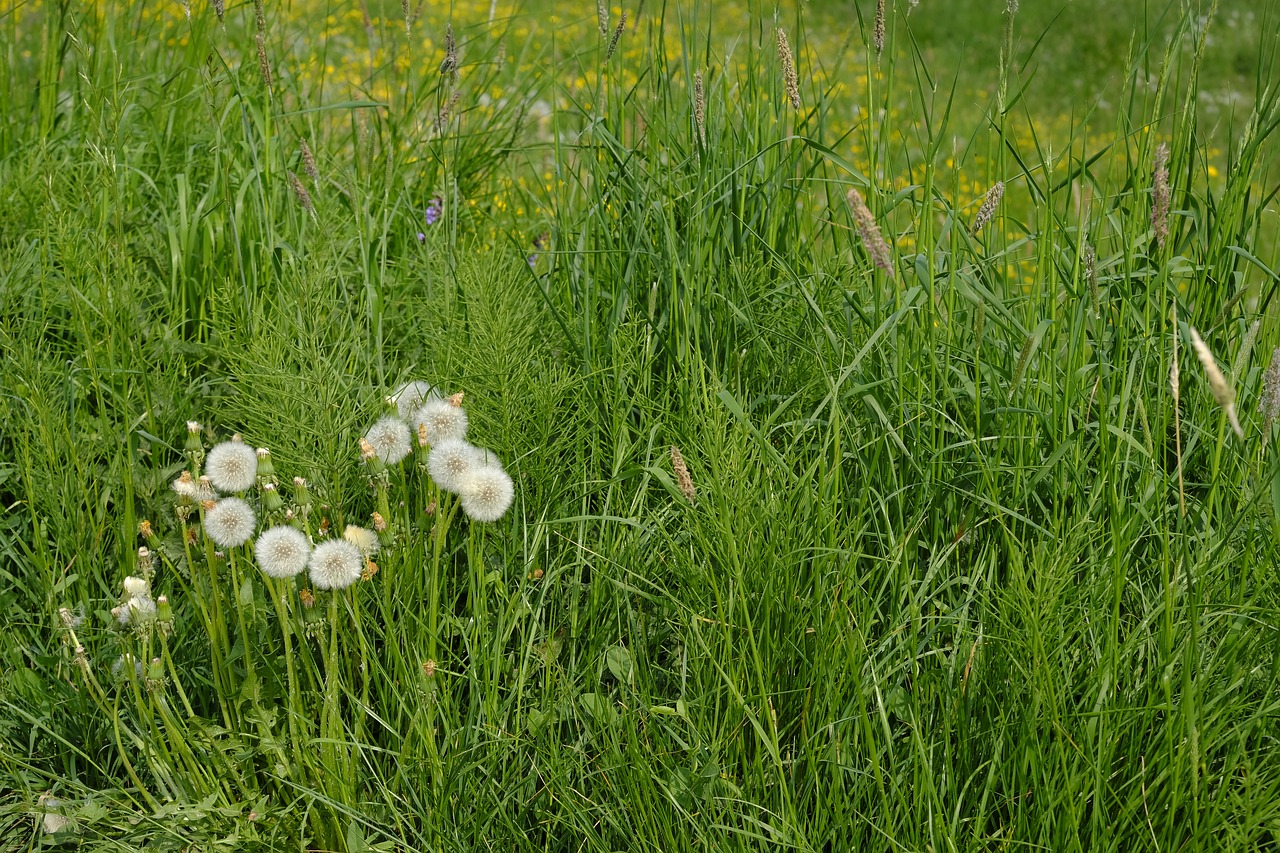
961	568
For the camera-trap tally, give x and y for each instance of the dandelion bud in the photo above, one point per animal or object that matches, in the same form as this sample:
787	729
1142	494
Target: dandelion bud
164	615
155	677
367	453
422	435
271	500
379	523
193	447
301	494
146	562
429	668
265	469
81	659
370	569
431	507
144	529
455	400
307	597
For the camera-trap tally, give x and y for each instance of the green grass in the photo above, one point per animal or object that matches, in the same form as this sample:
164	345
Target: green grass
960	572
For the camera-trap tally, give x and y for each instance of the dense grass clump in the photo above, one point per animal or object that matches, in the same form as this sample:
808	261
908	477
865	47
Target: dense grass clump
686	426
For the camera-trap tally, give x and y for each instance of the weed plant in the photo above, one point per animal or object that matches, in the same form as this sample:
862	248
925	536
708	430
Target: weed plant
893	466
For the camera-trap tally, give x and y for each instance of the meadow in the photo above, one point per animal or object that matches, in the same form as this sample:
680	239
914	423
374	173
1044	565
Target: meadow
682	426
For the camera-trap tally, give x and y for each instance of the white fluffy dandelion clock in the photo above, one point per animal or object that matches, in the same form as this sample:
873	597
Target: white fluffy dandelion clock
450	463
282	552
336	564
444	421
231	466
411	396
390	439
487	493
229	522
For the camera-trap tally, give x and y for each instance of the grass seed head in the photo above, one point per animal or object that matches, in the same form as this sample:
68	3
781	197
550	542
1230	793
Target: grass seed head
1222	390
989	204
264	67
879	28
872	240
309	163
602	17
789	77
1161	195
681	469
1269	399
617	36
700	108
300	192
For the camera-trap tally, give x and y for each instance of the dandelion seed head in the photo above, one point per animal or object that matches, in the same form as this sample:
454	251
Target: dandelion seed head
282	552
363	538
486	493
443	420
136	586
229	522
450	463
336	564
390	439
231	466
410	397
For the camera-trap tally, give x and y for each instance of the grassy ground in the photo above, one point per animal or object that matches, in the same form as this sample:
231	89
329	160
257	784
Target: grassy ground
969	556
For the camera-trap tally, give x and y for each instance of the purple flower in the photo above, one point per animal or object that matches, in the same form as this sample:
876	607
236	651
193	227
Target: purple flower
422	238
533	259
434	207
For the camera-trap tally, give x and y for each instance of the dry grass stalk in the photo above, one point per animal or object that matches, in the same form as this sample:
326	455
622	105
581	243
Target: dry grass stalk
309	163
989	204
617	36
700	108
1161	195
1222	390
879	28
872	240
789	76
683	480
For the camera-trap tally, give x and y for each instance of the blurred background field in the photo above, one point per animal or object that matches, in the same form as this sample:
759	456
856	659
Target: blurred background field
973	556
